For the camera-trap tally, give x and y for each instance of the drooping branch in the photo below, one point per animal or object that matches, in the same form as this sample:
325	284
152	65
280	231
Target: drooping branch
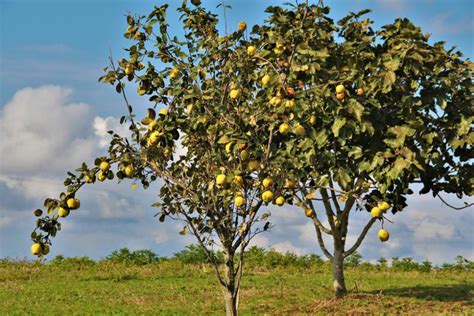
315	218
321	243
361	238
176	181
124	96
454	207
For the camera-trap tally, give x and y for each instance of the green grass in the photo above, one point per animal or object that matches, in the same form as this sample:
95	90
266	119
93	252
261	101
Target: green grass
173	288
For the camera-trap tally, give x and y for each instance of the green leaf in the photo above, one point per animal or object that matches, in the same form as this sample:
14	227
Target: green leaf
342	177
337	125
321	138
464	126
356	108
184	231
392	64
223	140
322	181
364	166
388	80
400	133
442	102
356	152
429	137
377	161
399	165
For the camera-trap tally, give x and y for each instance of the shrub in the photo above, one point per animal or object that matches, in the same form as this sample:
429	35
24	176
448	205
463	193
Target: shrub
195	255
137	257
460	264
354	260
382	263
404	264
425	266
73	262
259	257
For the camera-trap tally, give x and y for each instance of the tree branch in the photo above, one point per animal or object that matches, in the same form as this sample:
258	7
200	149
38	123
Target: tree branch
334	198
454	207
321	243
315	218
327	206
208	253
254	211
345	214
361	237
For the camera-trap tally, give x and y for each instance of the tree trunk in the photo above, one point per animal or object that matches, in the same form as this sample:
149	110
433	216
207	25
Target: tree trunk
231	292
230	303
338	269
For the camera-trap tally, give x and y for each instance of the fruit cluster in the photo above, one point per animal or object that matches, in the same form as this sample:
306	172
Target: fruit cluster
267	185
377	212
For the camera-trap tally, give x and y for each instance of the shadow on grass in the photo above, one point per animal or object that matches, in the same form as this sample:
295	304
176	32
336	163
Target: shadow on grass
445	293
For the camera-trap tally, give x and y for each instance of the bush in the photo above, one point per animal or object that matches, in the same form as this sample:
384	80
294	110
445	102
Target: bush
137	257
259	257
73	262
195	255
425	266
256	257
353	260
382	263
404	264
460	264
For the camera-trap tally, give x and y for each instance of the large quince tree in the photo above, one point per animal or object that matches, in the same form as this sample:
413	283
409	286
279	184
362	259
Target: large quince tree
203	139
379	111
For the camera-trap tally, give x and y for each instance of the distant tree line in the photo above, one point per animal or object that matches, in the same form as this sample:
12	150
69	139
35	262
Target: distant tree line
257	257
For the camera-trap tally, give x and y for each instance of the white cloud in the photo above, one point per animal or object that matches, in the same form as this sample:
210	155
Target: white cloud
115	207
5	221
33	187
103	125
432	230
41	129
287	246
260	241
161	236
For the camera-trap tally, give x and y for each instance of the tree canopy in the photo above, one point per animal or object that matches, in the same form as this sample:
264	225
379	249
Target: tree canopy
278	112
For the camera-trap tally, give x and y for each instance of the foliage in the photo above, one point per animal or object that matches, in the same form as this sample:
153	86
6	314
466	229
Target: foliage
460	264
256	258
195	255
75	262
138	257
259	257
353	260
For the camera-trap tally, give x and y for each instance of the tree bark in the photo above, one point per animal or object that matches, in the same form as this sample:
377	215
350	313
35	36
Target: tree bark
339	283
231	292
230	303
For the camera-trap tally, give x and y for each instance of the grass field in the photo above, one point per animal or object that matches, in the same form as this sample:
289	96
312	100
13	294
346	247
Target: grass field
173	288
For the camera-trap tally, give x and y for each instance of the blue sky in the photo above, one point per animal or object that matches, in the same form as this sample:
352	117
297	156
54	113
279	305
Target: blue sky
54	114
